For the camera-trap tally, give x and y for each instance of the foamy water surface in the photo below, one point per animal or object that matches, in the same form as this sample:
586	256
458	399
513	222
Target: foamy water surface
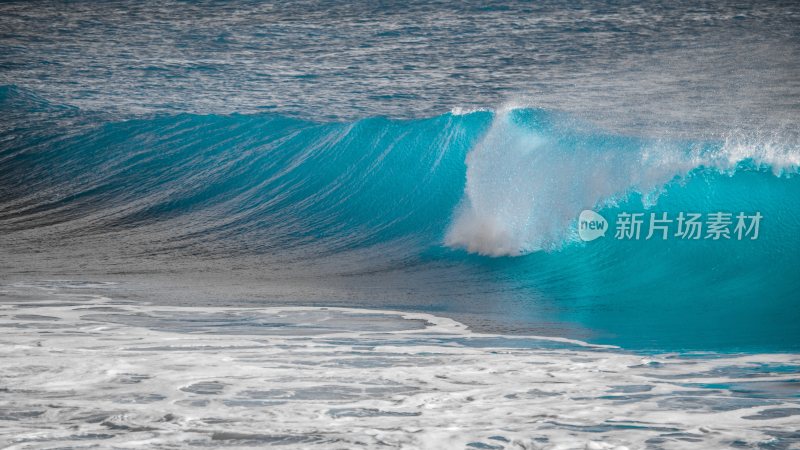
82	370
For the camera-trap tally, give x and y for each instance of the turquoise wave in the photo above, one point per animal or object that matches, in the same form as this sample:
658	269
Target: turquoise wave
492	196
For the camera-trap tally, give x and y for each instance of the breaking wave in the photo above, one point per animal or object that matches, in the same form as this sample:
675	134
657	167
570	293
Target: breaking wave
378	195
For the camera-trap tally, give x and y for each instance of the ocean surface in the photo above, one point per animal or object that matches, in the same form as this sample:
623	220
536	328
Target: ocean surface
359	223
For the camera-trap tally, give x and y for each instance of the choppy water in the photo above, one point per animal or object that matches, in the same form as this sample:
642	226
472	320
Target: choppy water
674	66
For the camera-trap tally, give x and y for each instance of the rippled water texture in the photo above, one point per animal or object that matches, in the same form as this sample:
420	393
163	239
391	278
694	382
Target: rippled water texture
681	67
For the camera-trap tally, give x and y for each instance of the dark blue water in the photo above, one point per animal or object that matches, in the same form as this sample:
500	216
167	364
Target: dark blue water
425	156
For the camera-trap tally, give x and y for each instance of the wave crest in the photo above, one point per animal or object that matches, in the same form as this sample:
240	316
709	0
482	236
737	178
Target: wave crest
533	172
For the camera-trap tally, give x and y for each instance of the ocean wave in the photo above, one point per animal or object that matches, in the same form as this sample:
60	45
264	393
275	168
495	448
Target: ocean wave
392	205
502	183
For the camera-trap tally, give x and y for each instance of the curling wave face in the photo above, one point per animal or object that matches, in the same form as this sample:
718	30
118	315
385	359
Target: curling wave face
279	194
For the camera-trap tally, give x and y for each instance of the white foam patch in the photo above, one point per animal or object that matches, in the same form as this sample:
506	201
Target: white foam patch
464	111
82	370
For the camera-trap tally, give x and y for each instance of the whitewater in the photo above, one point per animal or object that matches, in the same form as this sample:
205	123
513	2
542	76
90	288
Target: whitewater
115	373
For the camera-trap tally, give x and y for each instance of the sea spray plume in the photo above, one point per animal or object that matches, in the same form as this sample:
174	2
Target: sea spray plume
534	172
526	183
